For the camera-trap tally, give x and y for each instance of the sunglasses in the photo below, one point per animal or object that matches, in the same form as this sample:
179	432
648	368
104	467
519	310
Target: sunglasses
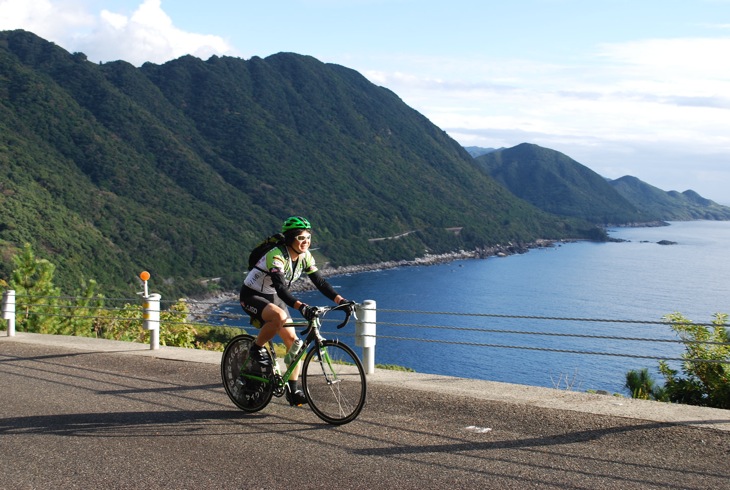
304	238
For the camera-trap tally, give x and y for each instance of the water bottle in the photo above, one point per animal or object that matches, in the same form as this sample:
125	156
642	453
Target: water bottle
293	351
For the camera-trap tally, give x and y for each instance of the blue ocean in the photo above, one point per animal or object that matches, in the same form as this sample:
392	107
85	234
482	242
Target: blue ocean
563	317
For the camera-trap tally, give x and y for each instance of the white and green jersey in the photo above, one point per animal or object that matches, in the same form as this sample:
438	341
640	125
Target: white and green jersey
276	260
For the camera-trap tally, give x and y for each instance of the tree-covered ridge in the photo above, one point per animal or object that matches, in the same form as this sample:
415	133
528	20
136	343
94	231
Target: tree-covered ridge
554	182
181	168
558	184
671	205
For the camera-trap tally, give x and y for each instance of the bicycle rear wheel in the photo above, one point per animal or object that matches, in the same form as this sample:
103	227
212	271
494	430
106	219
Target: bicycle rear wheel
247	393
334	381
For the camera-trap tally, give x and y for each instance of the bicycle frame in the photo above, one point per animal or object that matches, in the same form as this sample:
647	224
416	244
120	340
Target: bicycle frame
314	337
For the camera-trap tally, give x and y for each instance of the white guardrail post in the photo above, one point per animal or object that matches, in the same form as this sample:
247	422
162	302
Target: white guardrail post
151	314
365	333
9	310
151	317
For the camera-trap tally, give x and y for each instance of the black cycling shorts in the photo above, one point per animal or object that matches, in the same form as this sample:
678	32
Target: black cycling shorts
254	302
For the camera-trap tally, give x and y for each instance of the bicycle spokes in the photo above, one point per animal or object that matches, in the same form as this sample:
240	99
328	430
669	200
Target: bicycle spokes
334	381
248	391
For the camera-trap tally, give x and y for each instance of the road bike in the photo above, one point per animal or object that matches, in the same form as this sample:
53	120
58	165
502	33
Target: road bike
333	378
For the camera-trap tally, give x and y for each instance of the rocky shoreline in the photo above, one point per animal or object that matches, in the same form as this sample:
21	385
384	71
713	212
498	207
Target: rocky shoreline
429	259
199	308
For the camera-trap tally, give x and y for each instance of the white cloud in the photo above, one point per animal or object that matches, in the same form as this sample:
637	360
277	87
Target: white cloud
147	35
662	90
117	22
678	54
50	19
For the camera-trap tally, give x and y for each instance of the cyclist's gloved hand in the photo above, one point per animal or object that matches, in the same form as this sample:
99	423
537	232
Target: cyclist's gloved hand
308	312
347	305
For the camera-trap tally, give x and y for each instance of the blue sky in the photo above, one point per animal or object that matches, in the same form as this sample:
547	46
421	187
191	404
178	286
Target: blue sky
625	87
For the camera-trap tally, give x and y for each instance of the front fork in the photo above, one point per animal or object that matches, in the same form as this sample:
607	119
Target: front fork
325	362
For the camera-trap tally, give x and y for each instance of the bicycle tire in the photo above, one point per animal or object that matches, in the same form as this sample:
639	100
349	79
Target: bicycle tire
247	394
333	380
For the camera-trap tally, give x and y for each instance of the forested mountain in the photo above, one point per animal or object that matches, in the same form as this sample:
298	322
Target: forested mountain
477	151
672	205
558	184
181	168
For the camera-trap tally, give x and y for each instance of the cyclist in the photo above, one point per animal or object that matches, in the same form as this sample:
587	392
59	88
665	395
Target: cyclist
265	296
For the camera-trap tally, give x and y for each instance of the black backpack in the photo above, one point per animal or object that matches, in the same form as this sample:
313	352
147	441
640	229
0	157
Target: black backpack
263	248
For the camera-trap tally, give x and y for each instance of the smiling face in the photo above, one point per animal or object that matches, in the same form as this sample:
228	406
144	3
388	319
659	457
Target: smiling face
302	241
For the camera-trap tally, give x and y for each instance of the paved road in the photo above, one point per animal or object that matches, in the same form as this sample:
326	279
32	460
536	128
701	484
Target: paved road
80	418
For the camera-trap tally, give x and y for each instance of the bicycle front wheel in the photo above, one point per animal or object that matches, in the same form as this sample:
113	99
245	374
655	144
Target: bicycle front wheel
334	381
245	389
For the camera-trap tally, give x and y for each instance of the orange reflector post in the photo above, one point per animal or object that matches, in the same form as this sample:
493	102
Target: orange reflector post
144	275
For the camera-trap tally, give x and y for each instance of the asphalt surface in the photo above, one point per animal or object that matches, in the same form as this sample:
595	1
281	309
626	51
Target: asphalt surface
86	413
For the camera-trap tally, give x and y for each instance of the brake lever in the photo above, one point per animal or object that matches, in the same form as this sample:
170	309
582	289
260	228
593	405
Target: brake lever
320	312
348	314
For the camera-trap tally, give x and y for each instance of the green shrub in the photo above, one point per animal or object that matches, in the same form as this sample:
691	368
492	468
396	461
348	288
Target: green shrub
706	366
705	371
642	386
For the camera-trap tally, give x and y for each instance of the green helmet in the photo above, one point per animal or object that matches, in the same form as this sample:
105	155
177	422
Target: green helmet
295	223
